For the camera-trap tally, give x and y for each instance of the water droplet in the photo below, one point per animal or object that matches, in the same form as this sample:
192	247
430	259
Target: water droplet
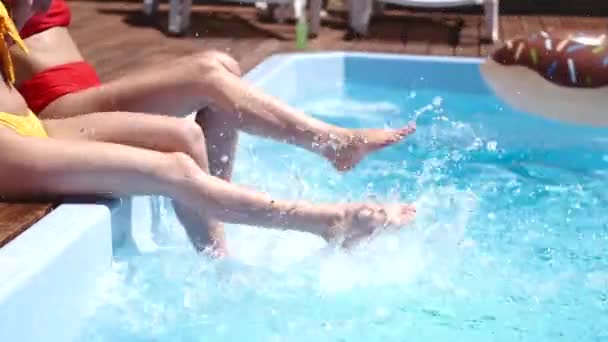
437	101
468	243
392	245
381	312
187	299
225	159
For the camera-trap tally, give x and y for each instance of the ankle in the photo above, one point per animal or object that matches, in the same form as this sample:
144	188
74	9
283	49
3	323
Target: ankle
331	145
331	221
331	138
314	218
335	226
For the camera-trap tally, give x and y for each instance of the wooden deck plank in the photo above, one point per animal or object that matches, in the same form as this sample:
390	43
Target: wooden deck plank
467	44
264	49
15	218
116	38
574	24
590	24
531	24
550	23
443	40
413	35
484	45
511	26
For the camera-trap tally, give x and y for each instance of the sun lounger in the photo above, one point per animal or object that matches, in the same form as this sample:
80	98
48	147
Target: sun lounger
179	12
360	11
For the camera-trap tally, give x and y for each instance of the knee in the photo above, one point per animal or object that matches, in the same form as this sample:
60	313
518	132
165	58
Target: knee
216	61
182	166
191	139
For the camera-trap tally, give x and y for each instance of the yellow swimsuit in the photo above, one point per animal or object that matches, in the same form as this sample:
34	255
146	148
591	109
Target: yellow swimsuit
28	125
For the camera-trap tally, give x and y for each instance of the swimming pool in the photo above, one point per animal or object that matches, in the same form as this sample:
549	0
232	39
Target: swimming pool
509	242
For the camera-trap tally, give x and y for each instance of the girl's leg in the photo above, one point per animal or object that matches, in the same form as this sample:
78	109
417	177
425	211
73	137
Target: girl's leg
63	167
221	140
188	84
154	132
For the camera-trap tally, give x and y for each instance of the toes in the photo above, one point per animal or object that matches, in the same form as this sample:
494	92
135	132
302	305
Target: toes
408	213
390	141
408	209
401	133
345	168
407	130
402	215
354	242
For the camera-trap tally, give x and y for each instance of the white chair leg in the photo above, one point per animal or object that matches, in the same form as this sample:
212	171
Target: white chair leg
492	19
179	15
151	7
359	15
315	16
378	8
282	12
261	6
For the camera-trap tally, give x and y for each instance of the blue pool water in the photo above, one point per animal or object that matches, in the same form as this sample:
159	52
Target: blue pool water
510	241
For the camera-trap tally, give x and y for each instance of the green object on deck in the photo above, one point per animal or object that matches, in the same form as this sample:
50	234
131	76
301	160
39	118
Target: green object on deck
301	34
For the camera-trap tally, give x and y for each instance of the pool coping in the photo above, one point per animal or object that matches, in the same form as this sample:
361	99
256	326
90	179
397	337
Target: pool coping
272	62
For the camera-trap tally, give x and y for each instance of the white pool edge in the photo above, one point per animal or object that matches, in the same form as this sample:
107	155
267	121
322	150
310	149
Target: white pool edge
40	298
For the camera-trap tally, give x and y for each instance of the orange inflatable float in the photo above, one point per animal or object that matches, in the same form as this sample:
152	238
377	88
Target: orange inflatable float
559	76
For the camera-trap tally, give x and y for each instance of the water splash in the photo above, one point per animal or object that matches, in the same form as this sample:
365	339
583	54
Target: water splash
503	247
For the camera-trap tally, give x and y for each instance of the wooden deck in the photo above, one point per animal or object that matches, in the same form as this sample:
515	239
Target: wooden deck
115	37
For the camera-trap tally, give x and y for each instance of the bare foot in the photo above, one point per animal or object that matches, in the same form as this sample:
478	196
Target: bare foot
363	220
346	151
216	250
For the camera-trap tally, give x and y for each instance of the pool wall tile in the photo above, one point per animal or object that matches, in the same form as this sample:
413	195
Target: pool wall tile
289	76
388	70
49	271
278	67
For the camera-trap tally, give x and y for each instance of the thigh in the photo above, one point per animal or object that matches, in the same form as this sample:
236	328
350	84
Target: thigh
150	131
177	88
137	93
172	88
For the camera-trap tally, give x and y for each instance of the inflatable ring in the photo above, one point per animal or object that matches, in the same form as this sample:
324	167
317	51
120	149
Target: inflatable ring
563	77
